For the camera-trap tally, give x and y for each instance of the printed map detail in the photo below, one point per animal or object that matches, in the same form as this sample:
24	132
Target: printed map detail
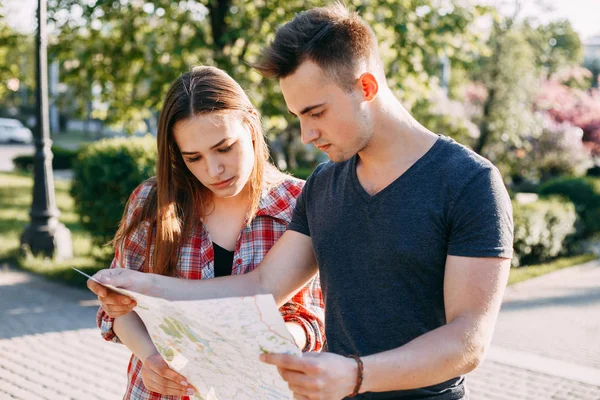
215	343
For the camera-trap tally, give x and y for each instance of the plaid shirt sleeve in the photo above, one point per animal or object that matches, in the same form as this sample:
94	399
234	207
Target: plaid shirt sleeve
306	309
133	252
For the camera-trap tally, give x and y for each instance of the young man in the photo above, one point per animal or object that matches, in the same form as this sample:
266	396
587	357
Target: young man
412	232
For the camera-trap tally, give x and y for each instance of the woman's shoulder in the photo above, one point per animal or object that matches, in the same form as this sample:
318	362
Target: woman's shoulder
141	193
279	198
286	186
281	183
292	185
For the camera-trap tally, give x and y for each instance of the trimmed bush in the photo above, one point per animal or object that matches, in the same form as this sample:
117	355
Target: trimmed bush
62	159
104	175
594	171
542	230
25	163
301	173
584	193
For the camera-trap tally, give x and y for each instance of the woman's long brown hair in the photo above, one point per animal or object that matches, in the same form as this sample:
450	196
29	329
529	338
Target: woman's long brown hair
178	199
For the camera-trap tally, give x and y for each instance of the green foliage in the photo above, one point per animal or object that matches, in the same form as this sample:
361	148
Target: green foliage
507	120
584	193
556	45
574	77
516	139
301	173
105	174
541	230
17	64
446	117
124	54
25	163
61	159
15	204
594	171
414	35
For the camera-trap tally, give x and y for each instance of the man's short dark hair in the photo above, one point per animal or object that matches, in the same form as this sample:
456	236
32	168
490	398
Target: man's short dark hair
332	37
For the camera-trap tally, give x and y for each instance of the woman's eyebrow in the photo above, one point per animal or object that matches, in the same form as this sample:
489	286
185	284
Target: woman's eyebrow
189	153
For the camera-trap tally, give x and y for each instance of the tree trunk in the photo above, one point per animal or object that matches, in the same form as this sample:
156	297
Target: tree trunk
218	10
484	128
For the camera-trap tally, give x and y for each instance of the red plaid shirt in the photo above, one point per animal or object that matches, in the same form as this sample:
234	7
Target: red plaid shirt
197	262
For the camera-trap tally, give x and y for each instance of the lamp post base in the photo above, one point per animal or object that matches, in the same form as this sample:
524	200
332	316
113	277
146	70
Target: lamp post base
52	240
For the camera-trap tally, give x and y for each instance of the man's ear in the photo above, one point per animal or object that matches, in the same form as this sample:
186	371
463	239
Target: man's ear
368	86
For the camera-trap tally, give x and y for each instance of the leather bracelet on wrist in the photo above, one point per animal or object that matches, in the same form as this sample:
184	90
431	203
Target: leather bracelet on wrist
359	375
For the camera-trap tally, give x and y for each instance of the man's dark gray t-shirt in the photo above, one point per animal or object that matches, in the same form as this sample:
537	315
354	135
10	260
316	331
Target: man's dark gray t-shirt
382	258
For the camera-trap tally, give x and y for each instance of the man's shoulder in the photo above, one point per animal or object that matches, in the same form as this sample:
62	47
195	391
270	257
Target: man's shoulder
466	173
330	170
457	161
460	155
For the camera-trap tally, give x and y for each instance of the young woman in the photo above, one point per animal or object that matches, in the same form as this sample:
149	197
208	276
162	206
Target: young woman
215	207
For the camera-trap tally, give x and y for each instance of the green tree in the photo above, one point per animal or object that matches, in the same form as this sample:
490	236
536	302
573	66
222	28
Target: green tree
508	118
122	55
16	68
556	45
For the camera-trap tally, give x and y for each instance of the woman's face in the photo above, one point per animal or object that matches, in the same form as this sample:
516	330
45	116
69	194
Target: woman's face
218	149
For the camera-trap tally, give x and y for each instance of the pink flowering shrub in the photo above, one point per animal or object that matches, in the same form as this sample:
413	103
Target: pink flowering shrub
577	107
574	76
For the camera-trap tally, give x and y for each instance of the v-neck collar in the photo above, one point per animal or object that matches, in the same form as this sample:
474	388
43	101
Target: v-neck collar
417	165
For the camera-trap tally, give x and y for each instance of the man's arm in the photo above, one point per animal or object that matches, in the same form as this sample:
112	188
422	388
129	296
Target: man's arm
285	269
473	291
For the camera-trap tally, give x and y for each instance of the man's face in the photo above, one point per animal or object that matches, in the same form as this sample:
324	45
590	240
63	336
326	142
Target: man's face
331	118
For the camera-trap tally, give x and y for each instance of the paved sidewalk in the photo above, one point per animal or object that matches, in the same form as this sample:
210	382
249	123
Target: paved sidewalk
49	345
546	345
547	340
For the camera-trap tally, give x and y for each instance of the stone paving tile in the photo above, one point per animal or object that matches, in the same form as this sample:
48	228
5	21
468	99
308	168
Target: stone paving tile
69	365
555	316
50	348
495	381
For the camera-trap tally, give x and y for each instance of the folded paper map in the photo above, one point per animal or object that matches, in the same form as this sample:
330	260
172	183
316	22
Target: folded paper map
216	343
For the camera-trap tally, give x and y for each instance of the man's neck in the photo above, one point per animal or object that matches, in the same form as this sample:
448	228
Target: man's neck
398	139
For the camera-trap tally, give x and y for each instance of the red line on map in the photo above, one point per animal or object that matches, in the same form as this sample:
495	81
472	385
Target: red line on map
267	325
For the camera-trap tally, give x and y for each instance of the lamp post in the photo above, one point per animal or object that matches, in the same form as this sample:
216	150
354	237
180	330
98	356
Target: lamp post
44	235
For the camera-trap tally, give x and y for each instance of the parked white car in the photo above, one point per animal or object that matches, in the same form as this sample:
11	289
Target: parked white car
12	130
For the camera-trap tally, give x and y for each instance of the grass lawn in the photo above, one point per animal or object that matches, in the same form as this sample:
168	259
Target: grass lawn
15	203
532	271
